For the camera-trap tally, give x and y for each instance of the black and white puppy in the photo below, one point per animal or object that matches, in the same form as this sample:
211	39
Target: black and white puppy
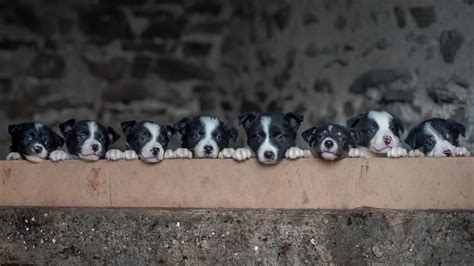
330	142
271	137
205	137
88	140
377	134
437	137
33	142
147	140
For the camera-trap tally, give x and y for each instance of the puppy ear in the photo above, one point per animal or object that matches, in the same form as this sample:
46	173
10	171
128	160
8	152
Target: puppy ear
113	136
295	119
170	131
59	140
127	126
354	121
246	119
12	128
309	134
67	126
411	138
233	133
458	127
354	137
398	123
181	125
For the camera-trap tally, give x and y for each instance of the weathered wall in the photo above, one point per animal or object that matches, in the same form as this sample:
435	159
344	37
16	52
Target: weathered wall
161	60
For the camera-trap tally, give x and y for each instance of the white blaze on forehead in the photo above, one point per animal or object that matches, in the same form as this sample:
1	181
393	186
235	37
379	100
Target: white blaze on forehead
147	150
92	126
266	145
86	149
441	145
377	143
381	118
330	128
209	124
154	129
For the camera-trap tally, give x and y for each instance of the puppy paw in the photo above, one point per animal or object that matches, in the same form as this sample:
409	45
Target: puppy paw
242	154
169	154
294	153
226	153
113	155
307	154
461	152
416	153
397	152
129	155
356	153
13	156
182	153
58	155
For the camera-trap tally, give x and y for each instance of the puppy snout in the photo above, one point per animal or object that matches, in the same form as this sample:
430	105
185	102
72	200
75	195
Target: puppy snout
208	149
95	147
448	153
155	151
387	140
268	154
38	149
329	144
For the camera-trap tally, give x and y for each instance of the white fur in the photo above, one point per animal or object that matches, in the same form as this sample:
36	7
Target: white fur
226	153
242	154
36	158
441	145
58	155
397	152
357	153
146	153
461	152
14	156
294	153
266	144
332	149
377	144
183	153
169	154
114	155
130	155
210	124
86	152
416	153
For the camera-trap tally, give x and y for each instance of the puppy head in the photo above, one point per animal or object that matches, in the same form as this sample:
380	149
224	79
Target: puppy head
34	141
330	142
205	136
87	139
378	130
436	137
270	135
148	139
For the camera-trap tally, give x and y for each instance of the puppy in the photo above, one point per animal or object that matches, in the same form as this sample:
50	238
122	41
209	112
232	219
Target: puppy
147	140
330	142
377	134
33	142
437	137
88	140
271	136
204	137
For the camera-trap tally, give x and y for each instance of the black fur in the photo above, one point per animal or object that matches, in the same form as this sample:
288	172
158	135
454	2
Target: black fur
26	135
138	136
344	138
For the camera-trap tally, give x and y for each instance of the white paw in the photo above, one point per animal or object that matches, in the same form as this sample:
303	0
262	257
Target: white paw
58	155
242	154
226	153
129	155
169	154
307	154
461	152
416	153
14	156
355	153
183	153
397	152
113	155
294	153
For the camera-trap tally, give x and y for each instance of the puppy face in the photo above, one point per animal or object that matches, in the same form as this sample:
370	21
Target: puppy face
205	136
378	130
270	135
436	137
34	141
148	139
330	142
87	139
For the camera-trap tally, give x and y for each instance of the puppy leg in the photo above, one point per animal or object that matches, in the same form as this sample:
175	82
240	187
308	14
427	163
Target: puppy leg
357	153
461	152
14	156
416	153
242	154
114	155
226	153
294	153
183	153
397	152
129	155
58	155
169	154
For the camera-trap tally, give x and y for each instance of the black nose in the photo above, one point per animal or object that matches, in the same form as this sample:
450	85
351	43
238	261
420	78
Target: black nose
38	149
208	149
95	147
268	155
328	144
155	151
387	140
447	153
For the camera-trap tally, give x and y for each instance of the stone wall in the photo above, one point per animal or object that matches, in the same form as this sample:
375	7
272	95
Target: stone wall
162	60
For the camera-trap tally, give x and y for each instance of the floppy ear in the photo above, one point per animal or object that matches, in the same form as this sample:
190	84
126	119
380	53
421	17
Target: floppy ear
398	123
246	119
457	127
170	131
295	119
231	130
354	121
67	126
127	126
181	125
411	138
59	140
308	135
113	136
12	128
352	138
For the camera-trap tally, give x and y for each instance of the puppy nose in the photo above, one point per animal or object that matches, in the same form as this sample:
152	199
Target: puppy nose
38	149
95	147
448	153
155	151
208	149
328	144
387	140
268	155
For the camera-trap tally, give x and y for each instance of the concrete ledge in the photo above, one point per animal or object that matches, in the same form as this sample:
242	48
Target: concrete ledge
424	183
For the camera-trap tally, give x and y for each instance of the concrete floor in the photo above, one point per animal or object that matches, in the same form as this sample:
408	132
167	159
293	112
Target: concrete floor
143	236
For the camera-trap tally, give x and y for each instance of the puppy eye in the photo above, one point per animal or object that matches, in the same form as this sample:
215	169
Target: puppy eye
218	137
258	137
196	136
430	142
82	136
371	130
143	138
100	138
45	140
28	138
279	136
